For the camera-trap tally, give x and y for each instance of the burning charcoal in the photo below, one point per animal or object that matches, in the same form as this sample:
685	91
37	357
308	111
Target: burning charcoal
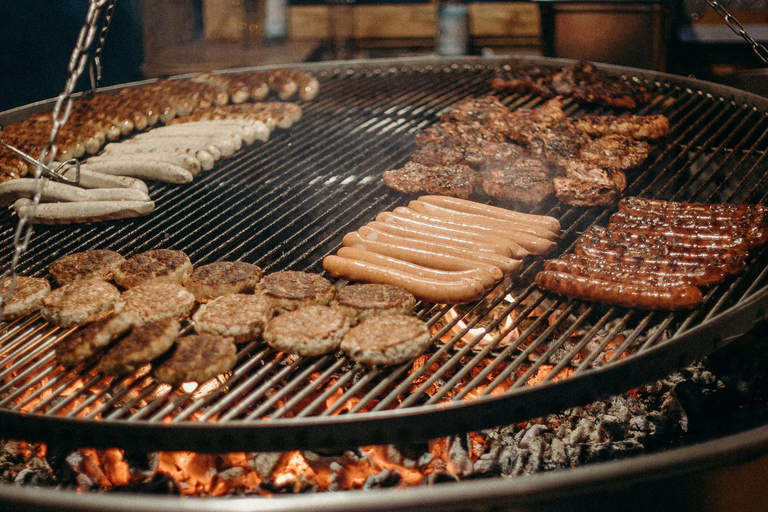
264	463
382	480
461	464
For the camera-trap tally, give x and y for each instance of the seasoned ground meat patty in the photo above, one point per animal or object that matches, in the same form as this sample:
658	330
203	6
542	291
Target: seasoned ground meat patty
197	358
289	289
141	346
239	316
362	301
89	340
309	331
222	278
26	296
80	302
155	300
93	264
165	264
386	340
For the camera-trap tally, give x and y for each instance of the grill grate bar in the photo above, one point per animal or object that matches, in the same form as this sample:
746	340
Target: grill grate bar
234	390
308	389
322	398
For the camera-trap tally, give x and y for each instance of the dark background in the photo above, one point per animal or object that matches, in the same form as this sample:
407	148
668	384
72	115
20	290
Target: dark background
37	38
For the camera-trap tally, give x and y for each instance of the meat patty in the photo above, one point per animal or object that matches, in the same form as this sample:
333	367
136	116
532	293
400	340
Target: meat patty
362	301
164	264
222	278
80	302
526	179
448	180
97	263
239	316
197	358
452	133
290	289
91	339
142	345
26	297
309	331
155	299
386	340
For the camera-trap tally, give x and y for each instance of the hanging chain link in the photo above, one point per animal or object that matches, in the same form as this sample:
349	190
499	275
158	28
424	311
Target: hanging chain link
60	114
96	62
738	29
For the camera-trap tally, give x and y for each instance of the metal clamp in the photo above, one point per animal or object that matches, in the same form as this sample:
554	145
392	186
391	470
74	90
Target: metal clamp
46	171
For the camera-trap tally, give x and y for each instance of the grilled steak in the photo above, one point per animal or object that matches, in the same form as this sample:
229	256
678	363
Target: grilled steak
449	180
586	184
632	126
615	152
526	179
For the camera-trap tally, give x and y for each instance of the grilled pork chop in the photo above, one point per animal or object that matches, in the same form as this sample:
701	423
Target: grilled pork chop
615	152
587	184
526	179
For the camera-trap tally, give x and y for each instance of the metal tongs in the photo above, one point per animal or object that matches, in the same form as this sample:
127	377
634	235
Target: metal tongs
46	171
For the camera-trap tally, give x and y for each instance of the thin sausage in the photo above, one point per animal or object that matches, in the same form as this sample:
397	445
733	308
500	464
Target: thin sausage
368	234
730	267
425	258
701	275
481	220
529	242
666	298
441	292
606	271
464	205
452	276
502	249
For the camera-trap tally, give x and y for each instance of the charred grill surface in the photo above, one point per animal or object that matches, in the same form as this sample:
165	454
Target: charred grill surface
286	204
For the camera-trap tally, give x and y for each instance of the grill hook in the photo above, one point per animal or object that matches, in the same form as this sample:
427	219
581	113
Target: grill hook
49	173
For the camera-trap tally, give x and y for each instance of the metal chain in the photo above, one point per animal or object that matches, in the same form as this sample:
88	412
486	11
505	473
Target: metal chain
738	29
59	117
96	62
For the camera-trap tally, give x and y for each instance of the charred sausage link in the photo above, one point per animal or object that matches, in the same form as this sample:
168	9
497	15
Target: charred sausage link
673	242
727	267
722	234
660	250
583	265
666	297
724	211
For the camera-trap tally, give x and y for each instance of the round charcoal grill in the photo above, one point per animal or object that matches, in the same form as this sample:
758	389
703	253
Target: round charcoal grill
287	203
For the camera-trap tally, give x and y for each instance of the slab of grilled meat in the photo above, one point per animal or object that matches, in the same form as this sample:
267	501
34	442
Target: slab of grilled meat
452	133
526	179
586	184
582	82
615	152
633	126
447	180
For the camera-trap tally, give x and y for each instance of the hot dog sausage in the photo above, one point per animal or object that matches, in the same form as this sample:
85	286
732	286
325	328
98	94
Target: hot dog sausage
531	243
464	205
426	258
502	249
452	276
666	297
481	220
441	292
367	234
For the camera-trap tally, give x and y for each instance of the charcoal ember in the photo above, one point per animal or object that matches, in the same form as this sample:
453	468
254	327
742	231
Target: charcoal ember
34	476
461	464
296	486
64	474
264	463
11	460
382	480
